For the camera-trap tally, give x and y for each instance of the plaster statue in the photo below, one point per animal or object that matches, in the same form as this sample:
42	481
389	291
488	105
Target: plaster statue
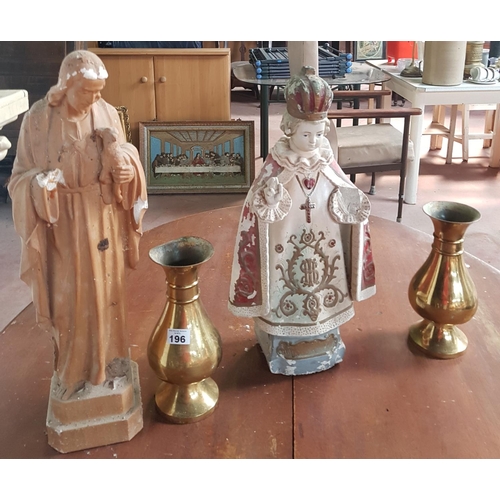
79	194
302	253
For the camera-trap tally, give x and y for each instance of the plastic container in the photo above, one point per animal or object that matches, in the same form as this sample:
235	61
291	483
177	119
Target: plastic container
398	50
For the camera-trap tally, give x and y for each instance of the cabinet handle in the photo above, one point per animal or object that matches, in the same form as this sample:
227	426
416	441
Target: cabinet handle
163	79
144	79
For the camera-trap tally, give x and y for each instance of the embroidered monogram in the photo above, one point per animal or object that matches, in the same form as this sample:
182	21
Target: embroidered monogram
309	268
309	273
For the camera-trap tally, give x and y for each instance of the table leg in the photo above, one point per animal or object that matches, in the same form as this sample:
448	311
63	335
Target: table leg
438	115
451	134
495	144
264	121
416	129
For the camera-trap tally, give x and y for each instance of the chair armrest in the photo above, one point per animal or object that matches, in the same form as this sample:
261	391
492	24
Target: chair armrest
349	95
335	114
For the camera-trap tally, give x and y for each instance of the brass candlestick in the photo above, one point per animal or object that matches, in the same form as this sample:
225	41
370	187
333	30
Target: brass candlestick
412	71
185	347
442	291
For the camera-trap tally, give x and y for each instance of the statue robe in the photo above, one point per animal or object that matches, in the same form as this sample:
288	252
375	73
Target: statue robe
75	246
298	277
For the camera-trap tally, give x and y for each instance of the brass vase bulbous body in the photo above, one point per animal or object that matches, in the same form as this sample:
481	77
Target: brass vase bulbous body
185	347
442	291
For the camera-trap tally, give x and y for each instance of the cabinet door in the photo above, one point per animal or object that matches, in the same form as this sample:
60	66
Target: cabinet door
131	83
194	87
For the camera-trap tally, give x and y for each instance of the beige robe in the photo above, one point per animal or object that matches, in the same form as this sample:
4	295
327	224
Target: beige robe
74	246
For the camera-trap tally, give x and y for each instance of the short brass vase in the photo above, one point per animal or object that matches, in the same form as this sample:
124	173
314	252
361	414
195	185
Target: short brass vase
185	347
442	291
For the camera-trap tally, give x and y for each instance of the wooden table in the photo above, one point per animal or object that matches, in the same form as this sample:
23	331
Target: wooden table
382	401
420	95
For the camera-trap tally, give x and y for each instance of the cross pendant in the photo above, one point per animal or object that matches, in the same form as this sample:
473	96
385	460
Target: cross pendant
307	206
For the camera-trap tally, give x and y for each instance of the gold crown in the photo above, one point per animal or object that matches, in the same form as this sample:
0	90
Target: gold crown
308	97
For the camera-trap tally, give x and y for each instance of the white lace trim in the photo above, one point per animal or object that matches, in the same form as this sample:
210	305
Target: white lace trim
306	330
290	160
269	213
348	205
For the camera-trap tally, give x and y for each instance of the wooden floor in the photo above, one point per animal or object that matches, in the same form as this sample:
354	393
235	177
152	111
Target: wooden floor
383	401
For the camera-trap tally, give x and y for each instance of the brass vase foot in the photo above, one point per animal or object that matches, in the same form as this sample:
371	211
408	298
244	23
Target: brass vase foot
183	404
439	341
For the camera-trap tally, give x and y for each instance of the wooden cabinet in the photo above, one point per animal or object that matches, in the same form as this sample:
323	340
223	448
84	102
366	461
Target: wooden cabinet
168	84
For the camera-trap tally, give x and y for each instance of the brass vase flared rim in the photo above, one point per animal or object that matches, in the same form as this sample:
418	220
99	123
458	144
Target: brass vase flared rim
452	212
187	251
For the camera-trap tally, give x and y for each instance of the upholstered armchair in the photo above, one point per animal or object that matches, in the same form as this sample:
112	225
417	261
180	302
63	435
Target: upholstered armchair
374	147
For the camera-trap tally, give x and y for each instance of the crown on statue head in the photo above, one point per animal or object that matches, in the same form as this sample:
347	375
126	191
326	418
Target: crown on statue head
308	97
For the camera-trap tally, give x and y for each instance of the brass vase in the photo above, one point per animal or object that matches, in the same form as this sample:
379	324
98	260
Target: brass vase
185	347
442	291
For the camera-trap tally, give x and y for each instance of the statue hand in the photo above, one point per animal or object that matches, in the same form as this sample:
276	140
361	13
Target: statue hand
273	191
50	178
122	173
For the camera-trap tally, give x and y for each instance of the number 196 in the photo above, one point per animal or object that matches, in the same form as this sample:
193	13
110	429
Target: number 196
177	339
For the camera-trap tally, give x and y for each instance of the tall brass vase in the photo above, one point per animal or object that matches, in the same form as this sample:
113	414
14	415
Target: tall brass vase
442	291
185	347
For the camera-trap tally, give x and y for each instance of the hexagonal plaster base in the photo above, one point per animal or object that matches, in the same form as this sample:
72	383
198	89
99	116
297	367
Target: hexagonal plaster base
110	416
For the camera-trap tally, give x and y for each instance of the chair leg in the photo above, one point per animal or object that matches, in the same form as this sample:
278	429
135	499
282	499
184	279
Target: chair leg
353	178
372	186
401	193
437	117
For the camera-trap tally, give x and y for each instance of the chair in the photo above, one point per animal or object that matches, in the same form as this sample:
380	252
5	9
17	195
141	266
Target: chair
377	147
438	130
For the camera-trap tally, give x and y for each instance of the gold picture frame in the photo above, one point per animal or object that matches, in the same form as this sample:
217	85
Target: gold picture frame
125	122
363	51
198	157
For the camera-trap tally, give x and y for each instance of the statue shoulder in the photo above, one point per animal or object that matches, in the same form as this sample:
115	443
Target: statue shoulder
102	105
36	118
38	109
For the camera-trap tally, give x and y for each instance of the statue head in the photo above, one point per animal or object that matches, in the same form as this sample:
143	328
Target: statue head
81	73
305	120
308	98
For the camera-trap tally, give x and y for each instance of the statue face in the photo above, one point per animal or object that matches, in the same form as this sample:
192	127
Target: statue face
83	93
307	137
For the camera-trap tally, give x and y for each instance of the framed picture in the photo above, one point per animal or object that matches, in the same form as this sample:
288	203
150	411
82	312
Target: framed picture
125	122
368	50
198	157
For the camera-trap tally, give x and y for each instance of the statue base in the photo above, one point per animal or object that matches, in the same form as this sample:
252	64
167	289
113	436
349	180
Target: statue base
287	355
96	415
